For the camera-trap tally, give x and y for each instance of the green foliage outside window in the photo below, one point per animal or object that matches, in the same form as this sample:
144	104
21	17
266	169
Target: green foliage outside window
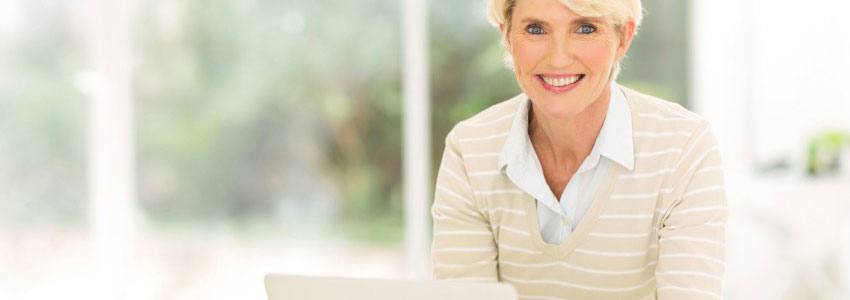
262	113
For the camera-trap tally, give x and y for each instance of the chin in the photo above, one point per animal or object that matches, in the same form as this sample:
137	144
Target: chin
559	107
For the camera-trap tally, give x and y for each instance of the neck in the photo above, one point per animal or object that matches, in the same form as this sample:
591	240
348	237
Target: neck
569	140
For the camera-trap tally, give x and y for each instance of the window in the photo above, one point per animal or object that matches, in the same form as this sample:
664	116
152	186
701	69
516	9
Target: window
42	151
259	136
269	141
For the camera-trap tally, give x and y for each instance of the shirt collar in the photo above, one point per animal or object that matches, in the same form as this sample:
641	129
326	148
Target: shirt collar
615	140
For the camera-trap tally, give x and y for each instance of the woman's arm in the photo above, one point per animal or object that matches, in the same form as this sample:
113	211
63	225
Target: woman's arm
692	234
463	245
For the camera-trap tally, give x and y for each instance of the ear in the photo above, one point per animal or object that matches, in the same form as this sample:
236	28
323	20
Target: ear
503	35
626	37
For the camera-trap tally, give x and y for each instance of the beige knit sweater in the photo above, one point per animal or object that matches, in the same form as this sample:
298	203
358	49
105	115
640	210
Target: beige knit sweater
656	232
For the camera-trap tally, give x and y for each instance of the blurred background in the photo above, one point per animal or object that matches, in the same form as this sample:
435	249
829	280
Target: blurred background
181	149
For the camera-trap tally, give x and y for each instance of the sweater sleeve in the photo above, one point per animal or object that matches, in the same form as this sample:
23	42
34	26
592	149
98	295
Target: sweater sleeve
691	242
463	247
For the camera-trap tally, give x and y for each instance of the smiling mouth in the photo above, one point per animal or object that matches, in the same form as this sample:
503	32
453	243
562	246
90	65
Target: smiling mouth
560	83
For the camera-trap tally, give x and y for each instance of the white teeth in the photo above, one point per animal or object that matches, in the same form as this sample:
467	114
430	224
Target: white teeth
562	81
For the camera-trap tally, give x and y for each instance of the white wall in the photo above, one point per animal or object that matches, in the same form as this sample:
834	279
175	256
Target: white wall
800	71
769	74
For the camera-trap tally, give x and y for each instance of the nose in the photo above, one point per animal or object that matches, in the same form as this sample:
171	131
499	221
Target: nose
561	52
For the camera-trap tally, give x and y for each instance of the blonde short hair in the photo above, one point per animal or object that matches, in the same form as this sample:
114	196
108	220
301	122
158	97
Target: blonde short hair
617	12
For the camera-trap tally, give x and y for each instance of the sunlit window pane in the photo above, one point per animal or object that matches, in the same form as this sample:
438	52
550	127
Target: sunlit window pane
43	238
269	139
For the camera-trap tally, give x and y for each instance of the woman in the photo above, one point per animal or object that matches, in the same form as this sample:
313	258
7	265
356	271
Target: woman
580	188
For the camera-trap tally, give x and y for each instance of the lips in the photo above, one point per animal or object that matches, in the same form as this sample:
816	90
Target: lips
560	83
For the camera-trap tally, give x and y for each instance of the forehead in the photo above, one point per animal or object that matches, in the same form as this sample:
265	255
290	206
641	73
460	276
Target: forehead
553	11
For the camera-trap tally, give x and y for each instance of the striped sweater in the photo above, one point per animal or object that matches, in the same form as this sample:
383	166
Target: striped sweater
656	232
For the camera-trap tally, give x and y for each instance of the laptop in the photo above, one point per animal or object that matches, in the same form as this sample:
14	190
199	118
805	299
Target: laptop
292	287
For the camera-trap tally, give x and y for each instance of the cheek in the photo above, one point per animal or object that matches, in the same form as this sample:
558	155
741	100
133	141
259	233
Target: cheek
599	57
527	55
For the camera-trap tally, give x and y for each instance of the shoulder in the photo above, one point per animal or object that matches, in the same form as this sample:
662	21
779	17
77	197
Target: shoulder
651	110
658	121
671	143
488	128
668	136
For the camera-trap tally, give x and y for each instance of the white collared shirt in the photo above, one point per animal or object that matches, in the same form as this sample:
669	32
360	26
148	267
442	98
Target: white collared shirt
520	163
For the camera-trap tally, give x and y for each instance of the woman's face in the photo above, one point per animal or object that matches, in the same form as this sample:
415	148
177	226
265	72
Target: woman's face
563	61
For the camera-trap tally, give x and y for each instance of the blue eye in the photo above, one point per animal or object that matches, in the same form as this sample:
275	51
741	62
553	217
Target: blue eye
534	29
586	29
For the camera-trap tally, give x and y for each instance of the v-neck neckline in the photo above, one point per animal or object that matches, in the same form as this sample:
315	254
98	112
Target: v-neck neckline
570	243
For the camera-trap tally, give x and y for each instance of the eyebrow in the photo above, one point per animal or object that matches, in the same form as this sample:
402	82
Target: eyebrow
580	20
